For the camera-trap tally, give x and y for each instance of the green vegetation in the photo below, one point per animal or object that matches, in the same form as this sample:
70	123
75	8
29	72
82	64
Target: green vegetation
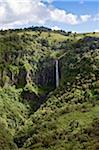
34	115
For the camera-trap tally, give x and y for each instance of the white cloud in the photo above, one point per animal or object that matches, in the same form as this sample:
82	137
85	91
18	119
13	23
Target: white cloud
19	12
96	18
85	18
61	16
48	1
15	13
2	13
81	1
96	30
19	7
55	28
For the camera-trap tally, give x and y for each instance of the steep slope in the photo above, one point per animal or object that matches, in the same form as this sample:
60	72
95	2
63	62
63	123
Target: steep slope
6	139
66	117
13	114
69	112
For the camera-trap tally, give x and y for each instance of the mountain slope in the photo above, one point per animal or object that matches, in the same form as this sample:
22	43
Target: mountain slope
37	115
62	121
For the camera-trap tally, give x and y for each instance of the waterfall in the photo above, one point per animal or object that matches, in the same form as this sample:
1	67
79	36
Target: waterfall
57	72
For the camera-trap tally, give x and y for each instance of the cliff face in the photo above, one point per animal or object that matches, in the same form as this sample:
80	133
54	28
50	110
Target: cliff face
45	75
23	64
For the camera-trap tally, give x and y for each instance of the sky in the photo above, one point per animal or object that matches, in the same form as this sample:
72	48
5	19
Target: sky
68	15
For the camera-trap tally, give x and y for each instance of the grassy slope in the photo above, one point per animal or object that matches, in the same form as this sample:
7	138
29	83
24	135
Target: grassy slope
62	121
60	124
13	113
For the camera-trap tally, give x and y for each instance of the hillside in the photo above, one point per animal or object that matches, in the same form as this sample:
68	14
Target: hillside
36	115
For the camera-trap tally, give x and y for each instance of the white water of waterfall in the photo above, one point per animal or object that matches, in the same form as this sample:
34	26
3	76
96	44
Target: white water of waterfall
57	73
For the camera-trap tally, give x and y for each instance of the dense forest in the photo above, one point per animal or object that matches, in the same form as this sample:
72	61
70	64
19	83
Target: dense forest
34	113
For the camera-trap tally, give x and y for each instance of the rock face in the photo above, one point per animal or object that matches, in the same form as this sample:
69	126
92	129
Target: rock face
21	78
45	75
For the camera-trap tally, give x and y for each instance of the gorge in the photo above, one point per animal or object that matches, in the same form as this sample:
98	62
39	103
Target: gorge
49	90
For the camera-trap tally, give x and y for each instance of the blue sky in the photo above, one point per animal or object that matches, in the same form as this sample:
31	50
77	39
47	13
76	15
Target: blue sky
80	8
69	15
